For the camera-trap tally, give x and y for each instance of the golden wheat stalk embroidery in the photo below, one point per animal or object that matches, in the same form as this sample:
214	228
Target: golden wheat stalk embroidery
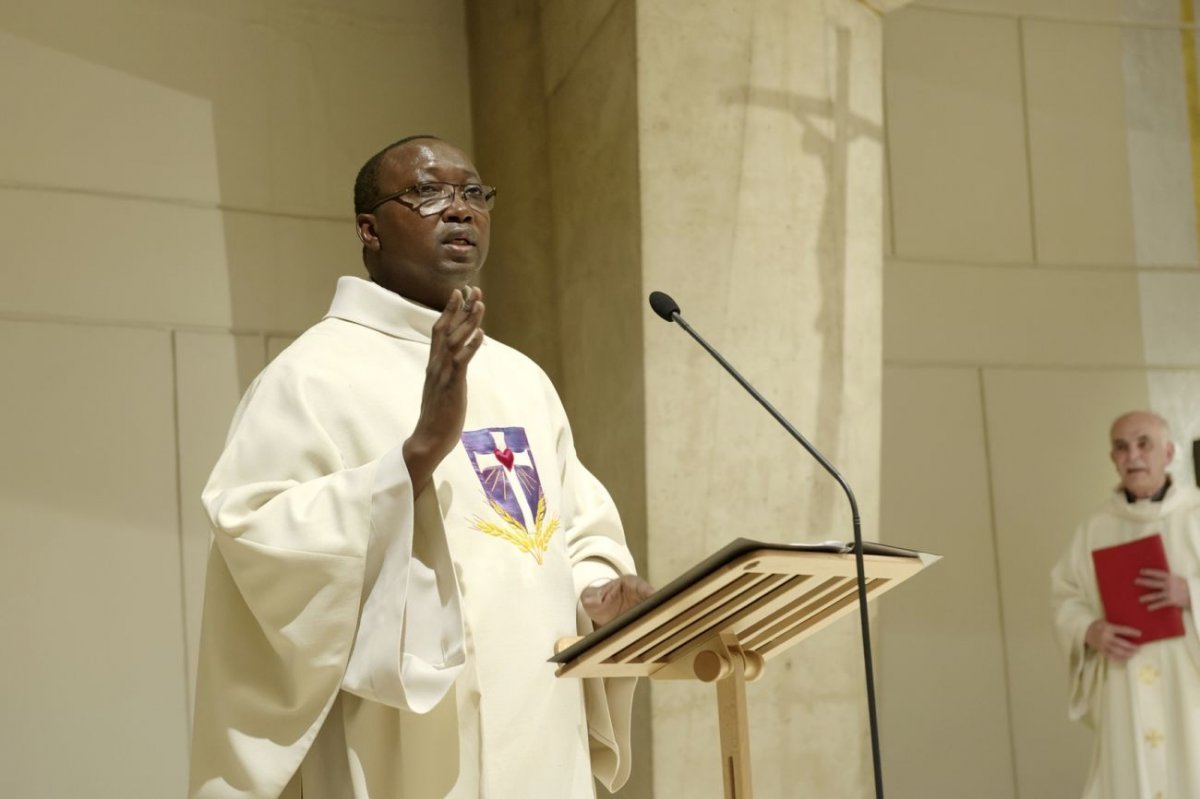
514	532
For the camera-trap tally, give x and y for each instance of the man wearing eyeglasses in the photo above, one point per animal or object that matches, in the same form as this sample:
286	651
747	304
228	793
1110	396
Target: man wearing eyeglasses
402	530
1138	689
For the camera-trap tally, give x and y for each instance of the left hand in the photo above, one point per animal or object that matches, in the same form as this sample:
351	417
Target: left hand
1166	590
603	603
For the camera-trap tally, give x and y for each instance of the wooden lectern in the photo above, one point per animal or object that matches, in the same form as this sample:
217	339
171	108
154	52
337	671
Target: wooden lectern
723	619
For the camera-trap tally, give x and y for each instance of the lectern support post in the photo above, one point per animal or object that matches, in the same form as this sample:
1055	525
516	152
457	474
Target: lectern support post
735	734
730	670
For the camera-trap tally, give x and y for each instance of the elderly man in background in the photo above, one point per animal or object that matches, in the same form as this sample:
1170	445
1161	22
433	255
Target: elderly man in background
1142	700
402	530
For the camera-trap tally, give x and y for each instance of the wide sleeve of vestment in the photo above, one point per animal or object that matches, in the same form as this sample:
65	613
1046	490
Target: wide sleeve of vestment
596	545
300	539
1075	607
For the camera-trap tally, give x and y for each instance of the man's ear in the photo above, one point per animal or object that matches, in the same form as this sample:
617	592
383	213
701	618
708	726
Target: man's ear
365	227
1170	452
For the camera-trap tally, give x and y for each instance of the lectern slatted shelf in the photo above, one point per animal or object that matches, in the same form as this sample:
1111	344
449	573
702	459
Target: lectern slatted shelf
768	598
808	619
685	614
763	593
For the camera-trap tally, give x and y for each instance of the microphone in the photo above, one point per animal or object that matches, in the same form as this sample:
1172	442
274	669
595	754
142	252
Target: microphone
663	305
668	309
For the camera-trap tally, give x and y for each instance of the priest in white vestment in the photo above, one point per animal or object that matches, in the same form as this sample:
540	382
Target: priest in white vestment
402	530
1142	701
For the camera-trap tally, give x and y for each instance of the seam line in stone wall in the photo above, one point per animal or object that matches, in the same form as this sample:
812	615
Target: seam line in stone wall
1119	22
1192	87
889	176
1112	268
1022	74
1041	367
1008	693
183	583
125	324
179	202
566	75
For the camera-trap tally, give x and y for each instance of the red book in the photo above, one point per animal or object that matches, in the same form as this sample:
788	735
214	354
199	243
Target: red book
1116	569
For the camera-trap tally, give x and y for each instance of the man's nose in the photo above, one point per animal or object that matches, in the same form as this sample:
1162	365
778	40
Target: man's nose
458	210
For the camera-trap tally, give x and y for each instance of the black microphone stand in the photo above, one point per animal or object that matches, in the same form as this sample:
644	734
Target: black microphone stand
667	308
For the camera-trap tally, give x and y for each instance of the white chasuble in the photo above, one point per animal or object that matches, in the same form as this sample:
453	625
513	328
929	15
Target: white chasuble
366	644
1145	712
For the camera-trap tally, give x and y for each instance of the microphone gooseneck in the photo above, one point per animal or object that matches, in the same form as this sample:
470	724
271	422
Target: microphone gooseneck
668	309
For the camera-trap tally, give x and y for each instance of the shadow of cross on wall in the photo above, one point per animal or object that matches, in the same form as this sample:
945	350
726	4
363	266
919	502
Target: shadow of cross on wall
828	127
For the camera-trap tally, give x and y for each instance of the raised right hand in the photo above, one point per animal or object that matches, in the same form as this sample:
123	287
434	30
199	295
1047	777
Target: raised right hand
455	340
1112	640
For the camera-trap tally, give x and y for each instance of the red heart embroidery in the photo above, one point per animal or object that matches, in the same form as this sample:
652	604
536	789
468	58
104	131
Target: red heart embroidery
505	456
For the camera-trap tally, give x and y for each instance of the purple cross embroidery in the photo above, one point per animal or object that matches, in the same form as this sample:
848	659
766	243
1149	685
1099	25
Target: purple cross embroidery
504	464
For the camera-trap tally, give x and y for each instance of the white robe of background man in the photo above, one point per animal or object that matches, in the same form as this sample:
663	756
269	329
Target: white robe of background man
380	647
1146	711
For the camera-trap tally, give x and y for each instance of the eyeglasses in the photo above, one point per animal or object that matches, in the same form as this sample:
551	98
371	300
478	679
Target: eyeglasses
428	199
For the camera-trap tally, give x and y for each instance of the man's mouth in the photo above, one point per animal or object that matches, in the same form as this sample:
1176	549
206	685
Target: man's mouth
459	237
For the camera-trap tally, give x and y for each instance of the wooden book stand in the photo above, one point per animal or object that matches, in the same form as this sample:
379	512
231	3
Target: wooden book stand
723	619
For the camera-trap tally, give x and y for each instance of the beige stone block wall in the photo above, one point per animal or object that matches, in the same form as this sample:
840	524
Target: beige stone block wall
175	192
975	145
1014	314
942	668
593	167
1075	102
1072	9
1163	193
1009	368
91	568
